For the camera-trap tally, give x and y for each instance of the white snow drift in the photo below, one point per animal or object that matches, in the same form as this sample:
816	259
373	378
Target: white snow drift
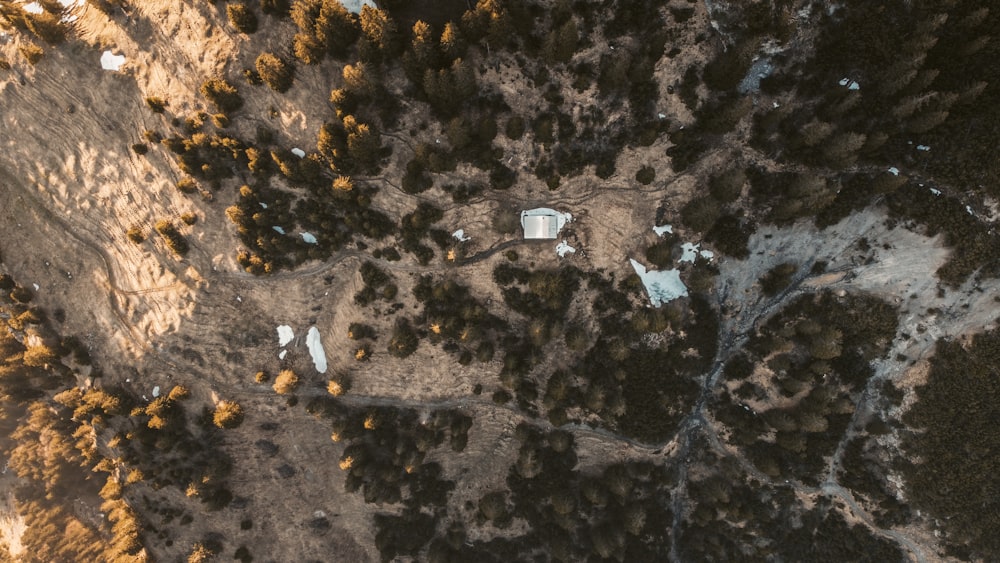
316	349
662	286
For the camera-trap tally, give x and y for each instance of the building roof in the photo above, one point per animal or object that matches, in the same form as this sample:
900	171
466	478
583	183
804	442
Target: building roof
540	226
543	223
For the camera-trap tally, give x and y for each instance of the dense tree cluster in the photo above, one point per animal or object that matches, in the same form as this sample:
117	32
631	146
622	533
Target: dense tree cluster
50	429
790	395
951	466
733	517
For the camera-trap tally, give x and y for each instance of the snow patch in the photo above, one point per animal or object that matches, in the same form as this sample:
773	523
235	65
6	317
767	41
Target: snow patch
111	61
935	192
894	171
924	148
285	334
562	249
156	391
690	252
279	229
661	115
969	210
316	349
759	70
662	286
663	229
354	6
460	235
850	84
33	8
299	152
36	286
706	254
308	238
264	205
282	354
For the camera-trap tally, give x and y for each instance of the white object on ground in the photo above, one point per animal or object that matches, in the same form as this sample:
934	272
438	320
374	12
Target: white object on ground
156	391
759	70
543	223
264	205
308	238
969	210
460	235
316	349
775	105
279	229
299	152
562	249
111	61
851	85
894	171
924	148
33	8
661	115
662	286
354	6
285	334
36	286
690	252
707	254
282	354
935	192
663	229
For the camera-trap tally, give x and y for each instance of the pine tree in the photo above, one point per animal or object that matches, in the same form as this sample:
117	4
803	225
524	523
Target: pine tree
452	44
358	80
286	382
228	414
336	28
379	36
308	48
222	95
364	145
242	17
276	73
423	53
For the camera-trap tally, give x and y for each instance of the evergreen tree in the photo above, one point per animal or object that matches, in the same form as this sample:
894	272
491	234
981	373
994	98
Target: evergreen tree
379	36
276	73
228	414
222	95
242	17
452	44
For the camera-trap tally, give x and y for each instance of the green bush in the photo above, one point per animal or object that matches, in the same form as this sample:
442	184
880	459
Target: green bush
700	213
726	187
136	235
645	175
404	340
515	127
157	104
172	237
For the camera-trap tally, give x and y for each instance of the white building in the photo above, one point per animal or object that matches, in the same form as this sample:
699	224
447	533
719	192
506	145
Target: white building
543	223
